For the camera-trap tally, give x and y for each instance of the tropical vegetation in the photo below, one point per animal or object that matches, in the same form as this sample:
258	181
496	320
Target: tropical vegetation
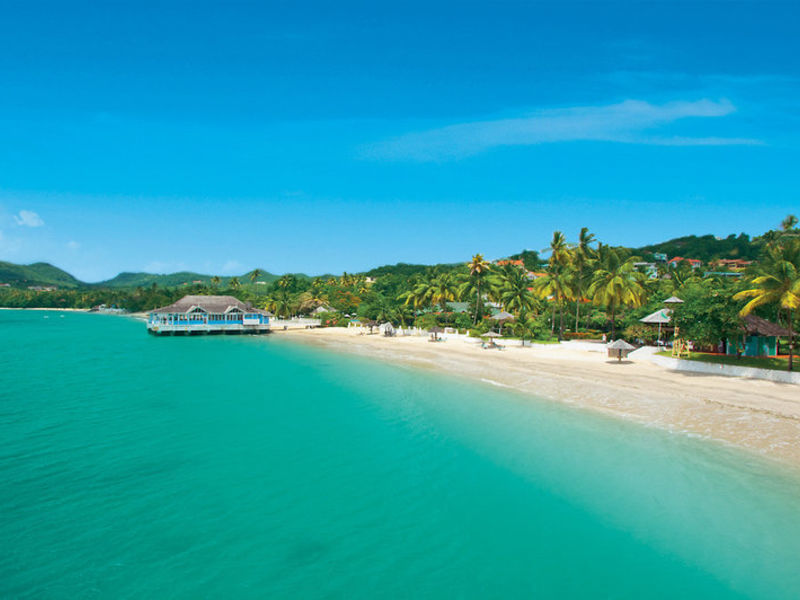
570	289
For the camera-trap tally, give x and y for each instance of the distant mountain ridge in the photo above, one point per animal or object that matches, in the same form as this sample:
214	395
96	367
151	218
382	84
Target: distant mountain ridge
705	248
36	274
127	279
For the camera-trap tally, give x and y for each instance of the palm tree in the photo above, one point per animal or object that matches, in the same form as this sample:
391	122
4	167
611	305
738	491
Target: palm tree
556	285
559	251
582	257
515	295
403	314
777	282
789	223
215	280
616	283
234	283
436	289
478	269
442	289
522	327
255	274
271	304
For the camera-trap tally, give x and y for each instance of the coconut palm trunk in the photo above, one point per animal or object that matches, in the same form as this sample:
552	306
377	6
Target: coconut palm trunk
791	339
477	304
613	324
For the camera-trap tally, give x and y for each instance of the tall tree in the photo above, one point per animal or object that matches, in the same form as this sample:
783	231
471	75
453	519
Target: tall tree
582	256
777	282
515	295
789	223
255	274
478	271
616	283
555	285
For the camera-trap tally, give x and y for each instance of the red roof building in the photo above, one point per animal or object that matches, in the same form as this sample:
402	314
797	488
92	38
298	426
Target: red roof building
508	261
693	262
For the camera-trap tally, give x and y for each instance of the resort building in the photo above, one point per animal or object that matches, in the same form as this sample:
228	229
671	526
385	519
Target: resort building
207	314
760	338
648	268
693	262
507	261
735	264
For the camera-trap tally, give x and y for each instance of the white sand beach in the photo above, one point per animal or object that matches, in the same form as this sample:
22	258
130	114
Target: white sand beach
758	415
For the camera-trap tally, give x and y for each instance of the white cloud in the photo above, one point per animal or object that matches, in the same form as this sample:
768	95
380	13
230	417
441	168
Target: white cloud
28	218
73	245
625	122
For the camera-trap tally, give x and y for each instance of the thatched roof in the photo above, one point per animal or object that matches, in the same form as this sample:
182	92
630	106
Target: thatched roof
754	325
502	316
491	334
620	345
673	300
210	304
660	316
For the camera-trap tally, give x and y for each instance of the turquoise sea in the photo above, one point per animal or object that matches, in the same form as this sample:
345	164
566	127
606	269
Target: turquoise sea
258	467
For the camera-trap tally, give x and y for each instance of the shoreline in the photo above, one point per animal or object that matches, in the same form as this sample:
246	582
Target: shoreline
49	309
762	417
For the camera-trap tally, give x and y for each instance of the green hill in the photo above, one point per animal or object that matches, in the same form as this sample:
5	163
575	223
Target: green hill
132	280
706	247
173	280
36	274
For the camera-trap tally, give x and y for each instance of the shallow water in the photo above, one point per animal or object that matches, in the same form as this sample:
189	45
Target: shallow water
242	467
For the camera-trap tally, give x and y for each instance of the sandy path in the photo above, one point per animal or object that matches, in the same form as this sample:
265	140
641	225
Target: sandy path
753	414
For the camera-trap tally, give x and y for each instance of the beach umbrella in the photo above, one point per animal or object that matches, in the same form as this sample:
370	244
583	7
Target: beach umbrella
619	349
503	316
673	300
660	317
491	335
435	331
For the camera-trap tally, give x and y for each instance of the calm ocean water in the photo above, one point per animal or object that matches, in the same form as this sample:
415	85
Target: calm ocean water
238	467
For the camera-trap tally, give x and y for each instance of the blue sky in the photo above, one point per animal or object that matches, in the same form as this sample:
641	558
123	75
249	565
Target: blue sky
322	137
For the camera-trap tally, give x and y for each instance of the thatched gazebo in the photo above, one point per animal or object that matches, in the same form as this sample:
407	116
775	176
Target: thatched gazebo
502	317
619	349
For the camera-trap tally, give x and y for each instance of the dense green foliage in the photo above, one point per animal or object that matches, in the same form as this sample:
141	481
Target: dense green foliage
584	286
707	247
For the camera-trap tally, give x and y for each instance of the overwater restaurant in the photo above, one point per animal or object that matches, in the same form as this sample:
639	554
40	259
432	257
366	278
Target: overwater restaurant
208	314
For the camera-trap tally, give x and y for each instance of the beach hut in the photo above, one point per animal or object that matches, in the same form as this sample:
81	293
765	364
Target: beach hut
619	349
759	338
